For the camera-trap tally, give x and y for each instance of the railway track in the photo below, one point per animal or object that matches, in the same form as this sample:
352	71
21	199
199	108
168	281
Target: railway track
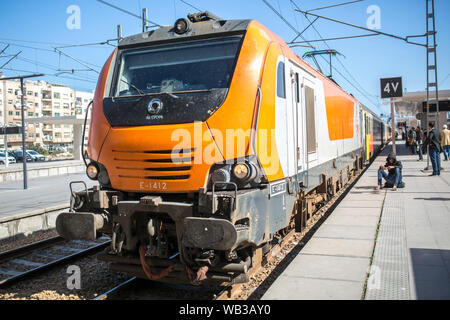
28	260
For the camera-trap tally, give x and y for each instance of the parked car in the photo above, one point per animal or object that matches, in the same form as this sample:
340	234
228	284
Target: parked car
18	154
3	158
36	156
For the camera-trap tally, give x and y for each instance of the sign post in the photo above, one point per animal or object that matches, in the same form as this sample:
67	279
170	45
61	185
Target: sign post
392	88
22	102
6	149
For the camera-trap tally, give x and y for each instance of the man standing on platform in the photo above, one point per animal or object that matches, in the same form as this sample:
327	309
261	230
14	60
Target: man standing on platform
434	148
445	142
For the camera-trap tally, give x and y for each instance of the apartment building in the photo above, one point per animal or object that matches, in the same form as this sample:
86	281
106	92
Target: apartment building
42	99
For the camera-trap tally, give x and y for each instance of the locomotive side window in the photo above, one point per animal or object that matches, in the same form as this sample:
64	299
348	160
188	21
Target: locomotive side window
310	120
281	86
184	66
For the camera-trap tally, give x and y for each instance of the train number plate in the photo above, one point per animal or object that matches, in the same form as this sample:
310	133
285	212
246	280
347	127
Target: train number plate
148	185
277	188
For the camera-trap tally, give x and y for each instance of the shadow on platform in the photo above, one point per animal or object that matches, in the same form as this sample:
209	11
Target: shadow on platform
431	273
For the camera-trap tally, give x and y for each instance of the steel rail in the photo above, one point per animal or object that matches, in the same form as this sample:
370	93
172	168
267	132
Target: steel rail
108	293
29	249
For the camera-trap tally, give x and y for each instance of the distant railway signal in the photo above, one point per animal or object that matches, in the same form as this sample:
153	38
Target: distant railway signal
391	87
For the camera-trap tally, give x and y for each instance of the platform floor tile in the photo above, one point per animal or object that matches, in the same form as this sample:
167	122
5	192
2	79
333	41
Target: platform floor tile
346	232
291	288
339	247
328	267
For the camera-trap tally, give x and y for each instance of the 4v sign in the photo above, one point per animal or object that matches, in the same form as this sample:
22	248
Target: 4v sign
391	87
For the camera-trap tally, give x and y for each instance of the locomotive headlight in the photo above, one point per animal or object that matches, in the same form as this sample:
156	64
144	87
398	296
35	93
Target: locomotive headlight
181	26
92	171
241	171
220	175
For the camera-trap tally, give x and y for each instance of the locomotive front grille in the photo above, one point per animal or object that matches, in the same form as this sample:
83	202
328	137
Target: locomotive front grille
154	164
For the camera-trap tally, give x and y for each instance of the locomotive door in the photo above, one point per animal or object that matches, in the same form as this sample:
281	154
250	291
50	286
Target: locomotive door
298	124
309	110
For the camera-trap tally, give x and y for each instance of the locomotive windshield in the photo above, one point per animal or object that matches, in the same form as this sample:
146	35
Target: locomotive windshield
178	67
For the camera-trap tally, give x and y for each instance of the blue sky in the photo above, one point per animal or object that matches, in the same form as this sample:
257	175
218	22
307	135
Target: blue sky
43	25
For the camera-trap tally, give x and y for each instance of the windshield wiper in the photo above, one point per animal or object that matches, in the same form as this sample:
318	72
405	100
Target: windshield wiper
134	87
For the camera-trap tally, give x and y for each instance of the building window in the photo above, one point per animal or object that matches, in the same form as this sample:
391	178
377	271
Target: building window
10	113
9	90
9	101
56	114
56	95
36	104
30	114
30	93
37	114
57	126
65	105
281	88
56	104
57	135
17	113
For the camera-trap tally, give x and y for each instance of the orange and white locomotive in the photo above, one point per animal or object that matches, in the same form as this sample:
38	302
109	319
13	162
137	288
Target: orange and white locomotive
209	140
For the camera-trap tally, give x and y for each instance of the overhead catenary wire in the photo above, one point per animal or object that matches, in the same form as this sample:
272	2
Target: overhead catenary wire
334	5
331	39
337	58
50	75
190	5
312	46
154	24
11	59
48	50
77	60
53	68
365	93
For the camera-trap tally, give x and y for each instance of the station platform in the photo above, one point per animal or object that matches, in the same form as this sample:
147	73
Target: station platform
25	212
378	244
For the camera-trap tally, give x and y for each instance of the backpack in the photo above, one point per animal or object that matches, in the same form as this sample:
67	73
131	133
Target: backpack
390	185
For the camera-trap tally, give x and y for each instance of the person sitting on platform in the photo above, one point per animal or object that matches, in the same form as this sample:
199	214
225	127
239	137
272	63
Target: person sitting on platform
394	178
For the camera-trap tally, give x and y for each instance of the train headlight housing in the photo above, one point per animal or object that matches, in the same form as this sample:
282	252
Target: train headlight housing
92	171
181	26
220	175
241	171
103	177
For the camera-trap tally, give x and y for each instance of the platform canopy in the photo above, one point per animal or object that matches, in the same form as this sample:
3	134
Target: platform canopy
77	121
411	103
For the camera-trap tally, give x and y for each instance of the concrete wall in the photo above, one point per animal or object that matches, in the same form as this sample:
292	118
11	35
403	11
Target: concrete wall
17	174
23	225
